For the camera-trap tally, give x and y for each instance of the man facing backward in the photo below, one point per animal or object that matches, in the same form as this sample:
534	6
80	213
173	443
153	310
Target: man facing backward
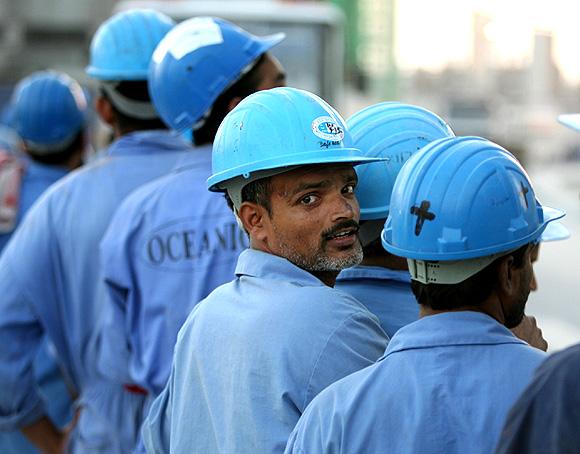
464	214
49	114
395	131
172	242
252	355
49	270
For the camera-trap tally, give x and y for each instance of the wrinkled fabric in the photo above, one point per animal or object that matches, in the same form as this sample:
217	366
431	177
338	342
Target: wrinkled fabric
444	385
546	418
253	354
169	245
49	285
386	293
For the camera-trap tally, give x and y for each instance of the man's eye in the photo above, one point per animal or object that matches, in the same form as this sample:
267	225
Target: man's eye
308	199
348	189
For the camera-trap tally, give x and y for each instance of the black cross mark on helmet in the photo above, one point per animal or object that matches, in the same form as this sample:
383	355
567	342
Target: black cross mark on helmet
422	213
524	193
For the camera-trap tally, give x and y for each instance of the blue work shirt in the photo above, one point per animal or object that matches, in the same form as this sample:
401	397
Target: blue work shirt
48	283
386	293
36	178
444	385
169	245
253	354
546	418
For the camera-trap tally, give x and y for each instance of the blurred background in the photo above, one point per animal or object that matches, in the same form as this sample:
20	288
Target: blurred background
499	69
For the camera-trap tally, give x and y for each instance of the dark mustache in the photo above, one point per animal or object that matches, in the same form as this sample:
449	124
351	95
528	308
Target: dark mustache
340	226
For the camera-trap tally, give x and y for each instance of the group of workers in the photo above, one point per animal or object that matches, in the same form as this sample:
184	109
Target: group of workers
240	271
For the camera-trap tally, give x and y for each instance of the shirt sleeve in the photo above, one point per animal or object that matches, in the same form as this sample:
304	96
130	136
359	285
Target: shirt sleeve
156	428
25	276
546	417
356	343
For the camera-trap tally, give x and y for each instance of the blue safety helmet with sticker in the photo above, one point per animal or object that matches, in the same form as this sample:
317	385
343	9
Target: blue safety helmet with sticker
196	62
49	110
275	130
463	198
122	46
394	131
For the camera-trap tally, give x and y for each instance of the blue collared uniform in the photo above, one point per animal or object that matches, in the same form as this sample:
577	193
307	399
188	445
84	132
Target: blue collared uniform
48	283
169	245
36	178
385	292
546	417
253	354
444	385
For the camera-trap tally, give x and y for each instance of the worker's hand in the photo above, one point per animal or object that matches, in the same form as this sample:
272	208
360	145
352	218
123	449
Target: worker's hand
528	331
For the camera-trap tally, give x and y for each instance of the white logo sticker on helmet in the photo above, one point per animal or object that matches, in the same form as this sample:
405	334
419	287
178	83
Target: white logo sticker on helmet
326	128
179	43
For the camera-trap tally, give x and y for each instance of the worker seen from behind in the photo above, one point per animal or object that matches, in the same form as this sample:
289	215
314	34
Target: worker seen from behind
172	242
252	354
394	131
48	272
49	113
464	214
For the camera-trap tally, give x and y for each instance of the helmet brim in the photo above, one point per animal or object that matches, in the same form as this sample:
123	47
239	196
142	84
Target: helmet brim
218	182
552	230
570	120
268	42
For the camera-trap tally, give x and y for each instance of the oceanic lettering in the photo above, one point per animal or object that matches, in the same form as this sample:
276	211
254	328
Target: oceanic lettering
182	244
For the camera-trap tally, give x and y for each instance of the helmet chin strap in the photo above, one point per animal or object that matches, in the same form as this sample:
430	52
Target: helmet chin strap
142	110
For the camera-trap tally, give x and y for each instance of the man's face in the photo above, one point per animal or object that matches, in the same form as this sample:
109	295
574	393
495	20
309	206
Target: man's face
270	73
314	218
514	316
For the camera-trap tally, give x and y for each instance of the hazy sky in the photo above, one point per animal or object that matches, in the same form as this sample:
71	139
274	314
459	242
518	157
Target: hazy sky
434	33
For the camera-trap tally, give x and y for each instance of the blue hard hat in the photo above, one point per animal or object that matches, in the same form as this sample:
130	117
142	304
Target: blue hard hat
462	198
279	128
196	62
49	110
122	46
394	131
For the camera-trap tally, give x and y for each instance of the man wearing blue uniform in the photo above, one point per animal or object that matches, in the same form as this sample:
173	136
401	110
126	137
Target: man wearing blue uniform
172	242
49	115
394	131
252	355
48	272
464	214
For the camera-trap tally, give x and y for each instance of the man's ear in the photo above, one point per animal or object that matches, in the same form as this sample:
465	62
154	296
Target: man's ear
105	110
234	102
254	218
505	275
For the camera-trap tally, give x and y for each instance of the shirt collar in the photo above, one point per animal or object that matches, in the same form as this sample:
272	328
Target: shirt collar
252	262
374	272
148	142
451	328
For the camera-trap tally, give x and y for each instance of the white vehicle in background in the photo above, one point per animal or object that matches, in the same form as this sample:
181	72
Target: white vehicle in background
313	51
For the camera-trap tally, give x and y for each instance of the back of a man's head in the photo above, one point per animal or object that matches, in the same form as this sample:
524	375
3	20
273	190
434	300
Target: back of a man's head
49	115
120	54
194	85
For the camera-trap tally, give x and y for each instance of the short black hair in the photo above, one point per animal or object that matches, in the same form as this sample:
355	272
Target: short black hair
258	192
136	90
59	157
243	87
473	291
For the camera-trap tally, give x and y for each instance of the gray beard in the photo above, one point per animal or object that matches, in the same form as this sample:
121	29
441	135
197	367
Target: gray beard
320	261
